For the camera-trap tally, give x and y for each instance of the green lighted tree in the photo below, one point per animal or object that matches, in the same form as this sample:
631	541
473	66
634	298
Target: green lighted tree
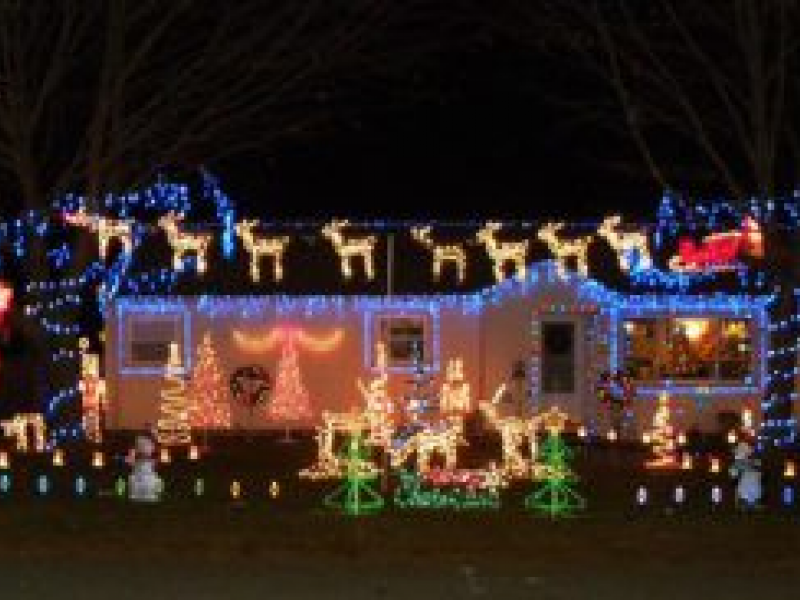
355	495
556	495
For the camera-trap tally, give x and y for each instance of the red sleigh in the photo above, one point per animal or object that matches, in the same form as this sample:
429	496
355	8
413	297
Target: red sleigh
719	251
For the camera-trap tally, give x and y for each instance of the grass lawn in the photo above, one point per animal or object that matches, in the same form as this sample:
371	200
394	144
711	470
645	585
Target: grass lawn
289	547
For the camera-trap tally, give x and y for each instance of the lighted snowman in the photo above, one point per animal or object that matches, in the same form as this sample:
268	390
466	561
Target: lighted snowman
144	484
747	470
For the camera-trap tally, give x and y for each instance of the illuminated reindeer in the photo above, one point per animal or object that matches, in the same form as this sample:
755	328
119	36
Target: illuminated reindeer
259	247
427	442
625	244
348	248
451	253
183	242
502	252
106	230
563	249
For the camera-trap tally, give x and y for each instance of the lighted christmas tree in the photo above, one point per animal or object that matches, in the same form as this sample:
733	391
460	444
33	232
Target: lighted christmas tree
355	495
208	392
556	496
662	436
173	427
290	400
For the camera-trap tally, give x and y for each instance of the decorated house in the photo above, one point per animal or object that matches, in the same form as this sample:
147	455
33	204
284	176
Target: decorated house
542	318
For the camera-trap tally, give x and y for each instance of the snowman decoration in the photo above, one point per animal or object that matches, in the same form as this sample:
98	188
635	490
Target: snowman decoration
746	469
144	484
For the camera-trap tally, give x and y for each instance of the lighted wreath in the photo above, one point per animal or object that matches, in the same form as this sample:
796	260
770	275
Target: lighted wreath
250	386
616	390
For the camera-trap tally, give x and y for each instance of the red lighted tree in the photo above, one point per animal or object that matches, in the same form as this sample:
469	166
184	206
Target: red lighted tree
208	393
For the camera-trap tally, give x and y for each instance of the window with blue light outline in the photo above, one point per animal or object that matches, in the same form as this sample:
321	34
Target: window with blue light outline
430	319
127	308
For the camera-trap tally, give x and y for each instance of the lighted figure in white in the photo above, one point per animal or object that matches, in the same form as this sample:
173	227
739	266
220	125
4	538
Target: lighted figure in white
106	230
184	243
455	394
93	393
21	426
349	248
144	484
259	247
441	439
376	392
747	470
632	250
562	249
447	253
503	252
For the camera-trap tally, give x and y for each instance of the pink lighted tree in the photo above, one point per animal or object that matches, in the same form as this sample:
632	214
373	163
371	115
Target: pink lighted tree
208	393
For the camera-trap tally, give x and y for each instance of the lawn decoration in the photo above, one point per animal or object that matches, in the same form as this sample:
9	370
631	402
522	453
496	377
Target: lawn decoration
173	427
501	253
375	393
348	248
556	496
719	251
355	495
448	253
455	392
662	437
616	393
631	247
144	484
21	426
449	488
747	471
183	243
442	438
93	393
259	247
563	249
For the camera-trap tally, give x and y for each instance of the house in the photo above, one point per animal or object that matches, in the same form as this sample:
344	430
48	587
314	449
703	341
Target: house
547	338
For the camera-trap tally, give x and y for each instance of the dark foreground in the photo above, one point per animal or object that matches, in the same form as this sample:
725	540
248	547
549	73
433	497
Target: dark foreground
288	547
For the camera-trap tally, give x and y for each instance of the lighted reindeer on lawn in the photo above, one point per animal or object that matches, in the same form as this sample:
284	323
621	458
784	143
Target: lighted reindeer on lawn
450	253
563	249
443	440
259	247
351	247
503	252
183	242
627	244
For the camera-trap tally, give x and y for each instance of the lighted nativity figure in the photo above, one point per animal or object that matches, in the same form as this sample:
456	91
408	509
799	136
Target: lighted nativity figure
747	470
144	484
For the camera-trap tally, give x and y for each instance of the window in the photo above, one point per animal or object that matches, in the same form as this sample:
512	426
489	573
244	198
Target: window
558	358
146	339
689	349
408	339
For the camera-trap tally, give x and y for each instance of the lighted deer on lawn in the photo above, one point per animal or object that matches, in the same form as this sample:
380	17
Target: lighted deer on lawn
183	242
347	248
563	249
503	252
259	247
627	244
450	253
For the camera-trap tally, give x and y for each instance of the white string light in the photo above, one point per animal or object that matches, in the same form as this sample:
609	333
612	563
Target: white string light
503	252
348	248
626	244
183	243
455	393
563	249
442	253
272	247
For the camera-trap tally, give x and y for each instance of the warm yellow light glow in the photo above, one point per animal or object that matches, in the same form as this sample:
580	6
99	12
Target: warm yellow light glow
4	460
626	244
686	463
93	393
694	329
173	425
715	467
274	489
501	253
789	470
349	248
164	456
732	437
646	438
662	436
258	248
582	432
20	426
681	439
442	440
58	458
562	250
98	460
194	452
107	230
611	435
236	490
747	418
376	391
449	253
278	335
183	243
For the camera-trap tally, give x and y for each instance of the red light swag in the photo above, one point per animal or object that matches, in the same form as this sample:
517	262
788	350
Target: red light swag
719	251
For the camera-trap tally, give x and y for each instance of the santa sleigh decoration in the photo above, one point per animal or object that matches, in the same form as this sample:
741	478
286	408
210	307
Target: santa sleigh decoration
719	251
